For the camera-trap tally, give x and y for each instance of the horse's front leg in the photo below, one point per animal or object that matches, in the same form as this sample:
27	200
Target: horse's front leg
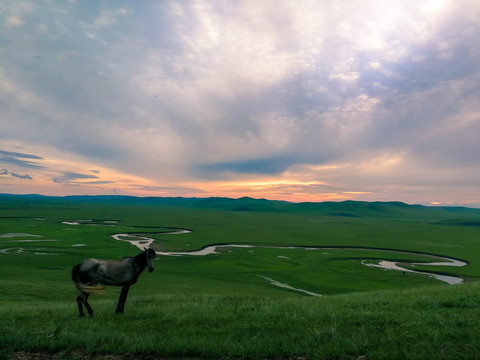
122	299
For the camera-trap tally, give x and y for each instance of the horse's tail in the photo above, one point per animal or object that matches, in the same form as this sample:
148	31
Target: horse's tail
98	289
83	288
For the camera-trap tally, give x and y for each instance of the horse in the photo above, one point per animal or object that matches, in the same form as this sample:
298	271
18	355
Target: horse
90	275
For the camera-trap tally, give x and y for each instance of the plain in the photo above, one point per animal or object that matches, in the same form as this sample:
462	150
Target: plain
221	305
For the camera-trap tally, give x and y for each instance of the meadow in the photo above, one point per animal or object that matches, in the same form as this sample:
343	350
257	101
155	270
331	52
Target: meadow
222	305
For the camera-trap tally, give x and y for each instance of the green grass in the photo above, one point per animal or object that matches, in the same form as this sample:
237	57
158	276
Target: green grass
221	306
429	323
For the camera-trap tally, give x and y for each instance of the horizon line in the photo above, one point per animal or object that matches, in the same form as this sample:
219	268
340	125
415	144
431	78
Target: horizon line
439	205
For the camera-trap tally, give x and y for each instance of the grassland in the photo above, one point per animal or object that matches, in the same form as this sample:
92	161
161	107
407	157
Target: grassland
220	305
432	323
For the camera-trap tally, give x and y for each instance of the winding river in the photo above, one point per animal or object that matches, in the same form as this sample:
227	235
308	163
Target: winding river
143	242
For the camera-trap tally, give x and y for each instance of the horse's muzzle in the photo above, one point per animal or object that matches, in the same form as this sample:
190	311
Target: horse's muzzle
150	269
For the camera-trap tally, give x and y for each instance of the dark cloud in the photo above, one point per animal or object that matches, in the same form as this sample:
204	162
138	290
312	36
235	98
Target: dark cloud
169	190
6	172
255	166
14	158
99	182
70	177
20	155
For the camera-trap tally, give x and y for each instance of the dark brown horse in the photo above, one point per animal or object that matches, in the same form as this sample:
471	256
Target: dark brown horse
90	275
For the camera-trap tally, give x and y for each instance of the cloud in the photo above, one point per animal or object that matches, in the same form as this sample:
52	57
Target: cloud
179	93
15	154
71	177
6	172
168	190
14	21
108	18
99	182
16	159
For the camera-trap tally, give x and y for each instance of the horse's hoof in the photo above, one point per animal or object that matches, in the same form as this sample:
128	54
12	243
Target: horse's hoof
82	315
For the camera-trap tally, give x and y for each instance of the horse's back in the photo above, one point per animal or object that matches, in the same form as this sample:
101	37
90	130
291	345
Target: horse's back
87	271
107	272
118	272
90	264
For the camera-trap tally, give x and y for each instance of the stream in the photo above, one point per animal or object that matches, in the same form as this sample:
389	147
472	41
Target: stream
143	242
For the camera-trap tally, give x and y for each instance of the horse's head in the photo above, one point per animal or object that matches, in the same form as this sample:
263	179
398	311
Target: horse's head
150	254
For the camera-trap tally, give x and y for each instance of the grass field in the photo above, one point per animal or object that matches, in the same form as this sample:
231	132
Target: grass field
221	305
428	323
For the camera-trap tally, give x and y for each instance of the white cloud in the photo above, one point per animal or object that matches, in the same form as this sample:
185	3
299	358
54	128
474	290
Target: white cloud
14	21
108	18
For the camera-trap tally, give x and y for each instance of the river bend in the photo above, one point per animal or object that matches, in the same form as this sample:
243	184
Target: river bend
143	242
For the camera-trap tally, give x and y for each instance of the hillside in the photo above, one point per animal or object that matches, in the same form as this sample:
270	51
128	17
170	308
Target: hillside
348	208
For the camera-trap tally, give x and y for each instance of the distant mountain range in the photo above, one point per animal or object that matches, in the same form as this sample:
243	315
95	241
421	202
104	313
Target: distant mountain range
349	208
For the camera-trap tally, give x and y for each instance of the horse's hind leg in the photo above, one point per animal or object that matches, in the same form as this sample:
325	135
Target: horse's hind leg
82	300
80	306
87	305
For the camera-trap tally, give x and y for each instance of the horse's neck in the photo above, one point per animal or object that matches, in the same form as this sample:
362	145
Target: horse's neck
140	261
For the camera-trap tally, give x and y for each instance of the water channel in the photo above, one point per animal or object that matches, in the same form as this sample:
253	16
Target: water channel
143	242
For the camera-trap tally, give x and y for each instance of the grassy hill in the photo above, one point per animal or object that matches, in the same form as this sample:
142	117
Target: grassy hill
221	305
348	208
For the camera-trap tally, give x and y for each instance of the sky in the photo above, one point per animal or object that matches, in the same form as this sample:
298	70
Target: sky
374	100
